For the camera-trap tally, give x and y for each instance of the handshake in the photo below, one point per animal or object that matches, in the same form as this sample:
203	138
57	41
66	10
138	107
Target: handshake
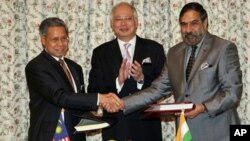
110	102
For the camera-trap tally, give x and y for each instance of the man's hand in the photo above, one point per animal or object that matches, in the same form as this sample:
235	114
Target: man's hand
110	102
98	113
136	71
123	71
199	108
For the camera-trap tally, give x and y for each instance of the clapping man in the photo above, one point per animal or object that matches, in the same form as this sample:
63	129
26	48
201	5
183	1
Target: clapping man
126	65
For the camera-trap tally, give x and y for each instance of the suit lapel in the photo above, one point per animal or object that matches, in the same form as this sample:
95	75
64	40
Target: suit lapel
55	63
180	54
116	54
57	67
74	75
176	66
139	50
201	56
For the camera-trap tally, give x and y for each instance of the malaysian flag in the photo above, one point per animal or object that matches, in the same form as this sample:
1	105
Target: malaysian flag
61	133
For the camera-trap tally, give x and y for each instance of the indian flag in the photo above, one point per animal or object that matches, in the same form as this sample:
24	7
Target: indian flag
183	133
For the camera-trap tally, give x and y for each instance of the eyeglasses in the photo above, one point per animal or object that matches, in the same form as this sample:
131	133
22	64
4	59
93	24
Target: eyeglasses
123	18
57	39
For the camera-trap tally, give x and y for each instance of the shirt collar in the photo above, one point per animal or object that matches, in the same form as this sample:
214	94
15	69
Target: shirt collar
132	41
57	58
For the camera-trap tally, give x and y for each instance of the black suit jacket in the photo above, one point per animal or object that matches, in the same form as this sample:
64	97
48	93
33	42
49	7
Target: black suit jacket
50	91
105	63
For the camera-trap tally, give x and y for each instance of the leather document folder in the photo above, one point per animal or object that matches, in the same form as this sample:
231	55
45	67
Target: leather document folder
165	109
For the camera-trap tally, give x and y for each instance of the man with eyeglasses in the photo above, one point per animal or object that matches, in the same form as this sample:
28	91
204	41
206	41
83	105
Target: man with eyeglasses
213	81
56	88
126	65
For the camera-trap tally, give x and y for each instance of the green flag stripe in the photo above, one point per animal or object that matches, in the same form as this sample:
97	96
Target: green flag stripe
187	136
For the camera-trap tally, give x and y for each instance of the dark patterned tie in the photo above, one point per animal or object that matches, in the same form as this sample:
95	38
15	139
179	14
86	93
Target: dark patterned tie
190	62
62	63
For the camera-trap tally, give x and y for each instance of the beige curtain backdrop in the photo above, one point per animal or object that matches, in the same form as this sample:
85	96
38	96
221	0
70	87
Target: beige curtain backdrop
89	26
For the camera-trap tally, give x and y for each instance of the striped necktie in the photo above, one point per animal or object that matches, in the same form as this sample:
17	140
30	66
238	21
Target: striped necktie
61	133
65	69
190	62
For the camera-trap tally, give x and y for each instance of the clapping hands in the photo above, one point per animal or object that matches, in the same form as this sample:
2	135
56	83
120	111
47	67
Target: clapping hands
127	69
110	102
124	71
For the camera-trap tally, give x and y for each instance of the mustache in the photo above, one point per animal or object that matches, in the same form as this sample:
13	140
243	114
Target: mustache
190	34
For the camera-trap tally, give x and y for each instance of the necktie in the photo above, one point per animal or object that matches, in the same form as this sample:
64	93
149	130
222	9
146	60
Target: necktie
61	133
62	63
126	54
190	62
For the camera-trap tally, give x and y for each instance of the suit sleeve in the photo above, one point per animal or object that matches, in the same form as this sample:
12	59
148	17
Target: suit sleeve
159	88
46	82
230	77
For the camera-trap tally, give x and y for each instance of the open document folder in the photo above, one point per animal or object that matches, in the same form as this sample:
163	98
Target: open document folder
90	122
165	109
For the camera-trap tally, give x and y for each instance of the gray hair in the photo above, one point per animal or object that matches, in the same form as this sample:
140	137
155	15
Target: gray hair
123	3
51	22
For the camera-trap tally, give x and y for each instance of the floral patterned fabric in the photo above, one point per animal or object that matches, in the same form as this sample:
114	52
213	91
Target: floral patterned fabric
89	26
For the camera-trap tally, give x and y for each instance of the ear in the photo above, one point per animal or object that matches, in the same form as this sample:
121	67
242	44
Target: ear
205	24
136	23
43	40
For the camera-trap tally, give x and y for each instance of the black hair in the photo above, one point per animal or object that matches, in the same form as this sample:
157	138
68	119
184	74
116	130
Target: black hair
196	7
50	22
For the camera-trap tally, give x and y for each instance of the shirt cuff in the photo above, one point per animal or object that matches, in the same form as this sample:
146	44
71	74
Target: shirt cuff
139	85
97	100
118	86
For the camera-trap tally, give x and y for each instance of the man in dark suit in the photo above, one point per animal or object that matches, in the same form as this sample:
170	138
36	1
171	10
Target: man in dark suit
124	72
214	84
57	93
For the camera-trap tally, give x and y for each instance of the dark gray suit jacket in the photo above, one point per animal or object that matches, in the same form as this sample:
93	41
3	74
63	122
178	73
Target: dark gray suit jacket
215	80
50	91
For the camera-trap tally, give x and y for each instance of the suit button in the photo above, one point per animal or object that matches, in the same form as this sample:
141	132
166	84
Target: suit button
187	95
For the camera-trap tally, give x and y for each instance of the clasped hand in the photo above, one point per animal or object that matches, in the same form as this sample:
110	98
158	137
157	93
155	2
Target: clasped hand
110	102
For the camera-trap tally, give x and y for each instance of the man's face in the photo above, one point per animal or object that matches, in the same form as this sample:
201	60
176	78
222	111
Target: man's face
124	24
192	28
56	41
